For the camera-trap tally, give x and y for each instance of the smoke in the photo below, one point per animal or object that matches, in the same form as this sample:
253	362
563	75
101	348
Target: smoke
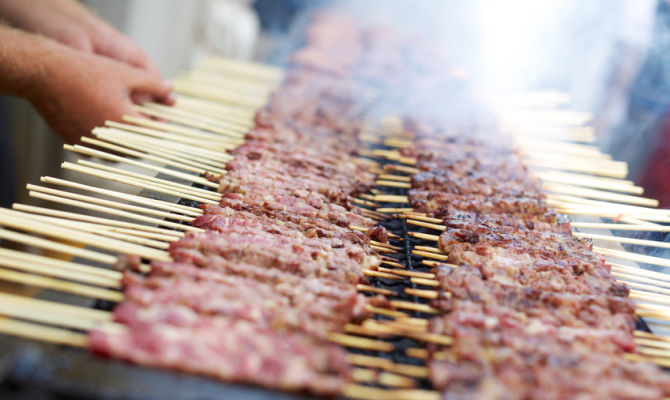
518	45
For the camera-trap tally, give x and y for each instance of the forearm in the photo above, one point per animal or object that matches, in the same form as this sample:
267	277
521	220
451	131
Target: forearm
24	59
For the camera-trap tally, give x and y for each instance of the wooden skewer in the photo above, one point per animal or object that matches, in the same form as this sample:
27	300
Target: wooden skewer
139	138
424	236
113	211
359	342
58	247
214	109
59	269
616	185
218	79
187	144
632	256
359	392
620	227
389	246
406	305
423	293
385	312
216	94
598	194
378	274
388	365
404	272
91	228
429	249
638	271
372	289
391	199
134	182
425	282
20	220
401	168
392	210
393	263
255	71
35	314
399	178
60	285
112	157
34	331
55	308
158	154
164	159
229	130
208	111
164	205
649	297
54	264
630	278
619	239
396	184
382	249
427	225
208	194
389	379
432	263
184	131
108	203
428	254
136	229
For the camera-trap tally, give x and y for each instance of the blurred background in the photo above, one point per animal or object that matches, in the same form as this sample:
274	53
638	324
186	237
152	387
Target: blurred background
611	56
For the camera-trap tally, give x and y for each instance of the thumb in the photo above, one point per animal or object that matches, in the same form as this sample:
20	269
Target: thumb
144	84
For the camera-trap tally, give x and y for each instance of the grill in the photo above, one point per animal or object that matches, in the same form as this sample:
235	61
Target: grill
33	370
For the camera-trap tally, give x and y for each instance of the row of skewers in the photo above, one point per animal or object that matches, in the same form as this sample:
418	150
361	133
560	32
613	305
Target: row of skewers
287	197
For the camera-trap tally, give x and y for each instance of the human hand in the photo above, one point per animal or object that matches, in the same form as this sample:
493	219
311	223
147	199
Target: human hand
78	91
69	22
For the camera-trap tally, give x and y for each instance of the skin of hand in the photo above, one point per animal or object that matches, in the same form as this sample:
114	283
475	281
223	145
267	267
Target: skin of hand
71	23
74	91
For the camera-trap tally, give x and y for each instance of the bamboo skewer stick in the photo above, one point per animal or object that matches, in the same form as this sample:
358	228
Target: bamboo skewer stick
196	122
57	308
618	239
359	392
185	166
113	211
58	247
219	79
209	110
156	181
112	157
108	203
59	285
51	264
214	109
136	183
251	70
103	223
135	137
34	331
216	94
620	227
214	149
639	271
632	256
86	227
616	185
20	220
185	132
164	205
598	194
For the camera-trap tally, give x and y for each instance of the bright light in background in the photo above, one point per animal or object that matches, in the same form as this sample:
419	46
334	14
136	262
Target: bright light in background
515	39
